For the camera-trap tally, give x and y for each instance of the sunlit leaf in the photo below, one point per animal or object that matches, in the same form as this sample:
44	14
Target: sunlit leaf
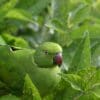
19	15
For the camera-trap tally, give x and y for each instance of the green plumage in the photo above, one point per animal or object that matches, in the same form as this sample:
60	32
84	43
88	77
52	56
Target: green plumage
16	63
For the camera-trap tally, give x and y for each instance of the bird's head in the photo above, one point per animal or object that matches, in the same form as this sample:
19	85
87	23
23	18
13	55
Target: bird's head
48	55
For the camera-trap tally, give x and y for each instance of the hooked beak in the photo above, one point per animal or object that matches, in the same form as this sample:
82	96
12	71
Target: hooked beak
57	60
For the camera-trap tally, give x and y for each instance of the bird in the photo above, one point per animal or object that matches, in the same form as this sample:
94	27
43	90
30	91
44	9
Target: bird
41	64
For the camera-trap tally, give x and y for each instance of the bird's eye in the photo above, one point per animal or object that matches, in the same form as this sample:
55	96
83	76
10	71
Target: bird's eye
46	52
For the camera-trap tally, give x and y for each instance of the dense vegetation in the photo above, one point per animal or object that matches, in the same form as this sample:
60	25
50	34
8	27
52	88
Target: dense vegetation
74	24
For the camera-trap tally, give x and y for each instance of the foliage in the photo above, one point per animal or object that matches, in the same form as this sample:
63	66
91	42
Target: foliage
30	91
74	24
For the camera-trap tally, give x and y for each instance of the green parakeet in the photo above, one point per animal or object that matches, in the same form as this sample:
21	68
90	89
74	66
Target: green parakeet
42	66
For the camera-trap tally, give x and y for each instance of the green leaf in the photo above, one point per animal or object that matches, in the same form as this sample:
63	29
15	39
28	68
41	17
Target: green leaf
94	31
34	6
96	55
67	93
75	81
81	13
59	9
96	90
30	91
88	96
9	97
82	57
15	41
39	6
19	14
90	1
6	7
2	41
25	4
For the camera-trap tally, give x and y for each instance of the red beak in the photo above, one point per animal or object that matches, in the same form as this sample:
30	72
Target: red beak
58	59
